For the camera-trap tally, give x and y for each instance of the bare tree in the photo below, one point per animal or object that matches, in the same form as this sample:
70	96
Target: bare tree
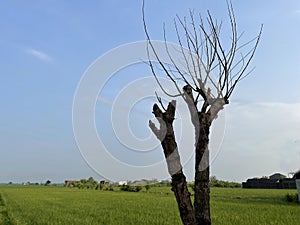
203	54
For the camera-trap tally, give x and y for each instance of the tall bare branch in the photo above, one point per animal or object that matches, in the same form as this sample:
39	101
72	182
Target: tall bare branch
209	72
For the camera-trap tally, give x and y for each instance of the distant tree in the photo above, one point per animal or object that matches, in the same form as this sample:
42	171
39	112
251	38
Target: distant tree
124	187
101	186
79	185
83	181
213	180
48	182
111	188
91	180
147	187
202	53
138	188
130	188
89	183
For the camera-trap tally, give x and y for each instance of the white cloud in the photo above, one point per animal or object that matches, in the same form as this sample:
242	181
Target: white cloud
39	55
261	138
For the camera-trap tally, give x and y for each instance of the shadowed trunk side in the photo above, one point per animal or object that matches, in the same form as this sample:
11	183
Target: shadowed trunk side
202	189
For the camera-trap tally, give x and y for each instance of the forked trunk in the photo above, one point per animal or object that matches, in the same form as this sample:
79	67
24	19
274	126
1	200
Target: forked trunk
179	186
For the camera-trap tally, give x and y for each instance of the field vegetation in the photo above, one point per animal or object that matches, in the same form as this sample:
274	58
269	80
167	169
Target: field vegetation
46	205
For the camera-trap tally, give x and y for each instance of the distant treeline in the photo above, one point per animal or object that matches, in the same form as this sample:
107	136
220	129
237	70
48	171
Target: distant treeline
214	182
90	183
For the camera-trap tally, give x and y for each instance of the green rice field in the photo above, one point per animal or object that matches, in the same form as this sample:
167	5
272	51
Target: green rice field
29	205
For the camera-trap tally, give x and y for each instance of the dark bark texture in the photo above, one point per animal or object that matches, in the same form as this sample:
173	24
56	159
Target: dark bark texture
202	121
179	186
202	189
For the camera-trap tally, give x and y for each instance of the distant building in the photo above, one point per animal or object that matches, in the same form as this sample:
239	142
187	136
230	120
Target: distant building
122	182
105	182
275	181
277	176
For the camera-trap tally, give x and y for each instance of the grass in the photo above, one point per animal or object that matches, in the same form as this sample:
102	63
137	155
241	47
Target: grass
4	219
253	206
58	205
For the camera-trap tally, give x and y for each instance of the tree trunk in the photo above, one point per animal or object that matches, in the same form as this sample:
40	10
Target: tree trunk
182	194
202	189
179	186
202	121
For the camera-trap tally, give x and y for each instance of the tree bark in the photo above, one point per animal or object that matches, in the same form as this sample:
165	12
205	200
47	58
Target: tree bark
202	121
182	195
179	186
202	189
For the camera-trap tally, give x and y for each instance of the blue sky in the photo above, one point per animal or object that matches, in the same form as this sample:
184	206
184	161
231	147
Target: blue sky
46	46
